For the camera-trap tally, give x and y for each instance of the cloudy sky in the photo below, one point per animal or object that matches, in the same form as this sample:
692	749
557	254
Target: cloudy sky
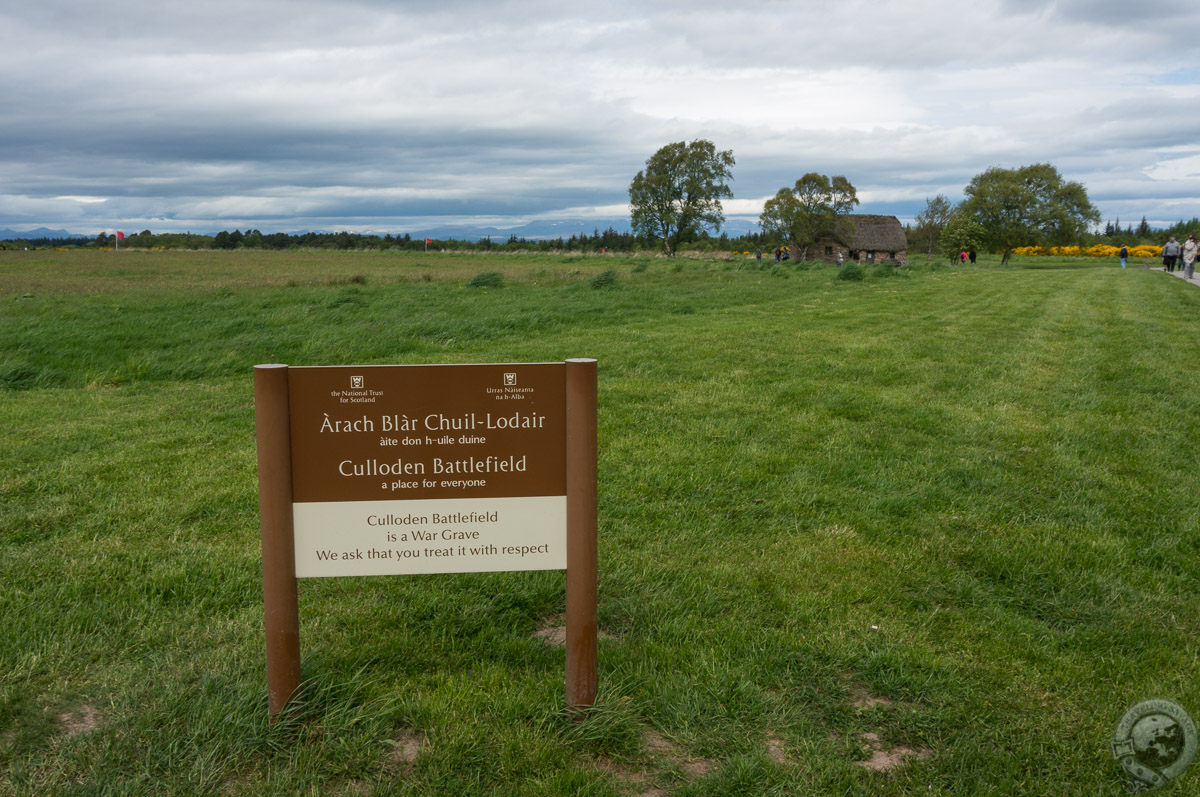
402	116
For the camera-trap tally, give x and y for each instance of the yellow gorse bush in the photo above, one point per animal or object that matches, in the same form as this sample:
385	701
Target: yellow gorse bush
1099	250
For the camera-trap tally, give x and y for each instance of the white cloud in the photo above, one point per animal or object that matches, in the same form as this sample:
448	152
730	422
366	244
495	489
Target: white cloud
1187	168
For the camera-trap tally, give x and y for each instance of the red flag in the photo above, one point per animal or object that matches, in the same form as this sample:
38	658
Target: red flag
120	235
428	240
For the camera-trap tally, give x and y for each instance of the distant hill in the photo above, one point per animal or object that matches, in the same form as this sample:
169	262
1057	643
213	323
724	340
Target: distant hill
533	231
40	232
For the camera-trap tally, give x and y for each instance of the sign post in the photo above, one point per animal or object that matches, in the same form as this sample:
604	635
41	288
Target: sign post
582	565
280	600
408	469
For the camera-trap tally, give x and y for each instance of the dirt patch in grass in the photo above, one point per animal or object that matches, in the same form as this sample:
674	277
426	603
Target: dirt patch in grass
81	720
775	750
698	767
555	635
242	783
673	754
625	775
668	755
408	745
886	759
554	632
862	699
658	744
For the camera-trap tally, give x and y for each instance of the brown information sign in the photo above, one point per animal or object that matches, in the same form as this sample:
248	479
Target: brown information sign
428	468
397	469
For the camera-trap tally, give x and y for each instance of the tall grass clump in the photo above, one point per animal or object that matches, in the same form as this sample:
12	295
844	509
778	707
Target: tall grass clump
353	279
851	272
487	279
604	279
884	270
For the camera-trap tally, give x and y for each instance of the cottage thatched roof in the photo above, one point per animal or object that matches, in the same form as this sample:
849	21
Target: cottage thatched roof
877	233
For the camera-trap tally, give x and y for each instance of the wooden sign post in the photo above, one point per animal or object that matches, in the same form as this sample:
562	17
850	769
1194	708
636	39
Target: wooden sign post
406	469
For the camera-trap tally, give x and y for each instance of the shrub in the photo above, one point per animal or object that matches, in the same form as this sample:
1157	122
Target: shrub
487	279
851	271
357	279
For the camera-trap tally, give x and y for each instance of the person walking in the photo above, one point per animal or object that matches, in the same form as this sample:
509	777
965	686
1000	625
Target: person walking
1190	247
1124	255
1170	254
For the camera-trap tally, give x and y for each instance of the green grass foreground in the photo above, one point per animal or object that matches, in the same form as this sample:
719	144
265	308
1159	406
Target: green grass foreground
947	514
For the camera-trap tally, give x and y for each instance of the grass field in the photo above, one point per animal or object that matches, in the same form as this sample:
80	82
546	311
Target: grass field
932	532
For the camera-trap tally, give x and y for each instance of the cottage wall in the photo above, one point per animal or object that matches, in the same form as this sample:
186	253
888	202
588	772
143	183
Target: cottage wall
828	250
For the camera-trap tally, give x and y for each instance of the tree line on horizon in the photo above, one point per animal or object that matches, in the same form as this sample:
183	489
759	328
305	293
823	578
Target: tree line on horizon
675	204
607	240
610	239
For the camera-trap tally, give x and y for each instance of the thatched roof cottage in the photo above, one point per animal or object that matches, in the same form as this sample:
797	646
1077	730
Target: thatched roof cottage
876	239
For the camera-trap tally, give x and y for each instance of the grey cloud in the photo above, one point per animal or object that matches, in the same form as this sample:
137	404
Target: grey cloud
276	111
1113	13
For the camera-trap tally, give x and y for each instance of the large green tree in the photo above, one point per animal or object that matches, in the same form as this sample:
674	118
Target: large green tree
931	221
814	208
960	233
679	192
1028	206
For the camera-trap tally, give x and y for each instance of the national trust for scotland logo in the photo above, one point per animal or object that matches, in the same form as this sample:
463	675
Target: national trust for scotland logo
356	383
1155	742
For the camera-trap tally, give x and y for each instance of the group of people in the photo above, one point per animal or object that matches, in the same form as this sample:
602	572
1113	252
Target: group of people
1183	256
1174	254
